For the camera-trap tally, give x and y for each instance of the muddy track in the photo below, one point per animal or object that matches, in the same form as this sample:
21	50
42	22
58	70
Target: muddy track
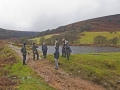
58	79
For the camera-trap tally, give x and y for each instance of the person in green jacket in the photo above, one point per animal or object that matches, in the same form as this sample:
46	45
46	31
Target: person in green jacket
24	53
35	51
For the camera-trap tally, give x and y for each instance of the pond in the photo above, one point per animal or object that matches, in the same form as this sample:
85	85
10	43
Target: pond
84	49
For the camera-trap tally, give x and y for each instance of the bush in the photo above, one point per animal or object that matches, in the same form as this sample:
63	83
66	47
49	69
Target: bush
100	40
104	40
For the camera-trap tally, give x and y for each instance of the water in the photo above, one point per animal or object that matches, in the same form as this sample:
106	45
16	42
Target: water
84	49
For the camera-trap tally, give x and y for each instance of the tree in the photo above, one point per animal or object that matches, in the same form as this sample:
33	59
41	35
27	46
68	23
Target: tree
42	39
114	40
100	40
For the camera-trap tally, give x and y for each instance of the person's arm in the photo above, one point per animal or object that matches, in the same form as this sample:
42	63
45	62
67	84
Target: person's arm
36	46
57	45
46	47
42	47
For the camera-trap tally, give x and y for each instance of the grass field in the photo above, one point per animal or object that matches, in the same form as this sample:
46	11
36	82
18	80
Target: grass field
102	68
89	36
46	37
19	77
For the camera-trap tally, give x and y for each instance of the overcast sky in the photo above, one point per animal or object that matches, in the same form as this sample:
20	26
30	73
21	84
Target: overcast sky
40	15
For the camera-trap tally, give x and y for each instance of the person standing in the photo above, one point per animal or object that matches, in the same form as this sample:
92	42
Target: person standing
68	50
44	50
24	53
63	48
56	54
35	51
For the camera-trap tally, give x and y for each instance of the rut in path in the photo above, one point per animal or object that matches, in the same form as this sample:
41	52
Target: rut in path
58	79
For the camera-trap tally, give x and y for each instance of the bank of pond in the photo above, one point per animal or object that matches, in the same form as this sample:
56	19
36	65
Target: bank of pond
101	68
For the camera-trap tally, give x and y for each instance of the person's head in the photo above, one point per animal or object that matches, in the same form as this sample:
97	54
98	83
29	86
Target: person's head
33	43
24	44
63	39
56	39
66	42
43	43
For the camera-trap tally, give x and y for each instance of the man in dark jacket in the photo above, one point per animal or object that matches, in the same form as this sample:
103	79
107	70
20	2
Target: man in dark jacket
63	47
44	50
68	50
56	54
35	52
24	53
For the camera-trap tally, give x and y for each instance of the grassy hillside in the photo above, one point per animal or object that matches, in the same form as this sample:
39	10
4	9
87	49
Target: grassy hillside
88	37
106	23
37	39
102	68
15	76
108	26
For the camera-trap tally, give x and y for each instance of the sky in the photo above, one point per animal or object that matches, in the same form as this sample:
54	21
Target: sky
41	15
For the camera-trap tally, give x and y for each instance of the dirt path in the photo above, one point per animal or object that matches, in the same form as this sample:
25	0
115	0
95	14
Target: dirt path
58	79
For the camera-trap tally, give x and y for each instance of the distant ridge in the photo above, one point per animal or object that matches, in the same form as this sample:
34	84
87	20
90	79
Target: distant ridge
106	23
7	34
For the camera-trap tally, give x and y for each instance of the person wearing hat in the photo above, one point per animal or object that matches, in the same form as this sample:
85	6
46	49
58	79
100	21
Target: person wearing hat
63	47
24	53
68	50
35	51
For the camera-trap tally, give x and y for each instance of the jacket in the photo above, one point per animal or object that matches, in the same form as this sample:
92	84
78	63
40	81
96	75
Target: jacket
57	45
68	49
34	49
56	54
23	50
44	48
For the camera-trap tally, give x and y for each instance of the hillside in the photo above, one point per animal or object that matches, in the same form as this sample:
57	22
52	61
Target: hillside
84	32
106	23
7	34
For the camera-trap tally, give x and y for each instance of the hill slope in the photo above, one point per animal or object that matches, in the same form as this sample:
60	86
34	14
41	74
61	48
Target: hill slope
6	34
106	23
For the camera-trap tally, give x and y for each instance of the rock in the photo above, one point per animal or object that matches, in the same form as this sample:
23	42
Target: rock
69	84
62	84
62	73
70	73
58	80
78	71
118	82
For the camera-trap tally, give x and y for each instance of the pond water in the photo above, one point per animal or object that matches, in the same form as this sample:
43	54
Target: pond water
83	49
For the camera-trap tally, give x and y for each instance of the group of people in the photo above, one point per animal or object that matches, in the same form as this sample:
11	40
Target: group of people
24	52
66	50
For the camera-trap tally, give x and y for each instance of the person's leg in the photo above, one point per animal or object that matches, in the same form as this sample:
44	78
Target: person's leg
62	54
67	56
37	56
44	55
56	64
24	58
33	56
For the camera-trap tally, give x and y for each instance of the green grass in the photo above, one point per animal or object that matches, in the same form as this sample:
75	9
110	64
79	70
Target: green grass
37	39
98	67
89	36
27	78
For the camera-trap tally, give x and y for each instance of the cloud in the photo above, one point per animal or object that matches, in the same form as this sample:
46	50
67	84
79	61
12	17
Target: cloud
40	15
